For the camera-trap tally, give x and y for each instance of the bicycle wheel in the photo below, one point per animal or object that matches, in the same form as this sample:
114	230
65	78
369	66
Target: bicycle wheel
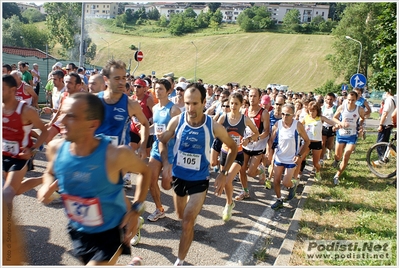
381	160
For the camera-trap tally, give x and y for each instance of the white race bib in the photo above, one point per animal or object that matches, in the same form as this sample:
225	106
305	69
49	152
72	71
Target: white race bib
11	147
189	161
346	132
236	139
160	128
86	211
114	140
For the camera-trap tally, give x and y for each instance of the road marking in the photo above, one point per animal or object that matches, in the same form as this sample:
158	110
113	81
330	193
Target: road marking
244	253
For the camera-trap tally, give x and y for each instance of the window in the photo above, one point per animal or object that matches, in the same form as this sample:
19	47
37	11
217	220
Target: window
317	12
97	6
103	11
107	6
322	13
103	6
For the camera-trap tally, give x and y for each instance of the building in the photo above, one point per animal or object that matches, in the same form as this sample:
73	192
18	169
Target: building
101	10
136	7
25	6
308	11
231	11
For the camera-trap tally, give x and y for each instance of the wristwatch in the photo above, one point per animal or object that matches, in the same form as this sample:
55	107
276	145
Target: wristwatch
137	207
224	172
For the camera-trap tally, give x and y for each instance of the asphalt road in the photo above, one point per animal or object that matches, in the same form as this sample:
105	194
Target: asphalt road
253	227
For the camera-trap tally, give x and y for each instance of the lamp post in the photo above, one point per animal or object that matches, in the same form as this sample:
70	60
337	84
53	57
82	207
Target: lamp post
196	59
107	45
360	53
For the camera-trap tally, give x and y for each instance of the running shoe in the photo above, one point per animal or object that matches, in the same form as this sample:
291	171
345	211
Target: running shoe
292	190
242	195
136	239
136	261
55	198
321	162
268	184
335	164
336	180
156	215
328	156
279	204
127	182
227	212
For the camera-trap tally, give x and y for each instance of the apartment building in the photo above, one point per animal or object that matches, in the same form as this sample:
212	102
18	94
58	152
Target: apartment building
101	10
307	11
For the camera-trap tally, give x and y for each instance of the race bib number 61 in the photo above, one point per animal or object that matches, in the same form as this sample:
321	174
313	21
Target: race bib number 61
86	211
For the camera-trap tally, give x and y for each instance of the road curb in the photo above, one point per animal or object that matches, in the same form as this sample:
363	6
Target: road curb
285	252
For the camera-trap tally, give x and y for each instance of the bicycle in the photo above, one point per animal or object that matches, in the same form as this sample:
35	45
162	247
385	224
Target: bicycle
381	158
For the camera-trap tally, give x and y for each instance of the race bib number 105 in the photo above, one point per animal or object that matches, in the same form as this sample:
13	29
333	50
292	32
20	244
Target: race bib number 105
189	161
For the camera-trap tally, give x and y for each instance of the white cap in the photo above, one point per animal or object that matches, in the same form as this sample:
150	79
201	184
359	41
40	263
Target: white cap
182	85
58	64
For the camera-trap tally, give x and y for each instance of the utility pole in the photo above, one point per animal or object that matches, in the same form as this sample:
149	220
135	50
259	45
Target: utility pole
82	28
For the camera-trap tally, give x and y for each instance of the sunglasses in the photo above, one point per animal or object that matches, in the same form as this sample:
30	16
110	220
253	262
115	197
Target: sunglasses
226	106
217	95
284	114
138	86
279	104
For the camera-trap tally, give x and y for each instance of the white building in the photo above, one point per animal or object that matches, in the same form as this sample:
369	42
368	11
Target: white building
307	11
101	10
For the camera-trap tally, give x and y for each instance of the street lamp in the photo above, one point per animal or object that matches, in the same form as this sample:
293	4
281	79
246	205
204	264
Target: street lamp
360	53
107	43
196	58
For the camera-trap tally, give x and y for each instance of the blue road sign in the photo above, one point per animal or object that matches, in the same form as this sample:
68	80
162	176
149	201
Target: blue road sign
358	80
344	87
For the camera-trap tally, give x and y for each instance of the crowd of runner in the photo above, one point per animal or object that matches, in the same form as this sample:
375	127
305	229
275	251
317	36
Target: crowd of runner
108	125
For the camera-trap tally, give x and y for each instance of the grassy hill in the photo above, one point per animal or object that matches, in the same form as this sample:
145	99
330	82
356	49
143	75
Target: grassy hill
226	56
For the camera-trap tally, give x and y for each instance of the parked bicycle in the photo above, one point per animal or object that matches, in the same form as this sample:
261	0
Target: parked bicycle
382	159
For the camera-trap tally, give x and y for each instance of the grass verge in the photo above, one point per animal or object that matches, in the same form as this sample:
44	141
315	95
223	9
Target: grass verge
361	207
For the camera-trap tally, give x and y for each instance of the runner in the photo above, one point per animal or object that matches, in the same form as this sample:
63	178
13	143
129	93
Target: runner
328	110
287	154
24	91
235	123
163	113
253	151
18	147
88	170
194	132
347	116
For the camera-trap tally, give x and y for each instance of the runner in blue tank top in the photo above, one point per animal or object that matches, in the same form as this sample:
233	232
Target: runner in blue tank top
162	114
119	108
194	132
87	170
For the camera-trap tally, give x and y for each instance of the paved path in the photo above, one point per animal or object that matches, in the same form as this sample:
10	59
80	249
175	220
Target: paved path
253	227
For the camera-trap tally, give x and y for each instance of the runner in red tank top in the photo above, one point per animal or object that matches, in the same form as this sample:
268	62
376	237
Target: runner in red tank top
18	147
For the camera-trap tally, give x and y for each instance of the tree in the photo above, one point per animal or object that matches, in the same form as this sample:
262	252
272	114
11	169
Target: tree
384	61
154	14
190	13
33	37
63	23
91	51
12	32
217	17
213	6
202	20
292	20
120	20
10	9
163	21
33	15
358	22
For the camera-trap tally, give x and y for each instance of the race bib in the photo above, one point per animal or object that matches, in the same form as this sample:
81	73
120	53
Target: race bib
86	211
188	161
236	139
114	140
11	147
160	128
346	132
19	98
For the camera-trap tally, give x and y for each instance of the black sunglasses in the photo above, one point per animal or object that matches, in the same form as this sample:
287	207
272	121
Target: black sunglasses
226	106
138	86
284	114
279	104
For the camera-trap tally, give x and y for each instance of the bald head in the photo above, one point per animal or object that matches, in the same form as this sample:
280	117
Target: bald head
96	83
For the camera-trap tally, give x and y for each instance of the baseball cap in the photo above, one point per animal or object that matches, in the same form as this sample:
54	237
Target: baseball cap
58	64
142	76
265	100
182	85
140	82
35	64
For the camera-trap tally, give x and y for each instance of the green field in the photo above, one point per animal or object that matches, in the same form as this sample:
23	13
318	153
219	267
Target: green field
227	55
